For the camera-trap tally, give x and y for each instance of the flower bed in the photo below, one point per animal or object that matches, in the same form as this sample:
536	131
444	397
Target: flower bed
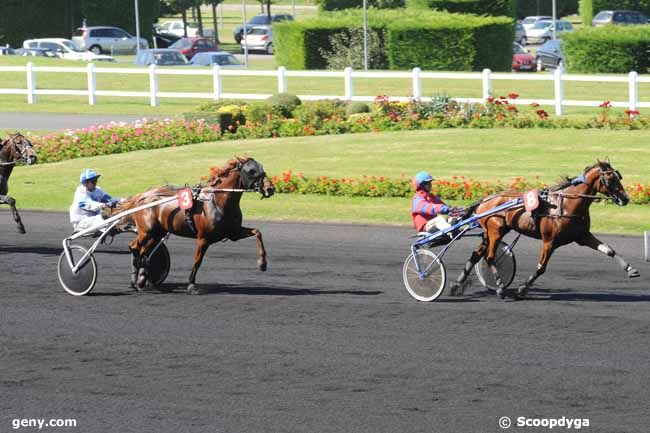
122	137
456	188
279	118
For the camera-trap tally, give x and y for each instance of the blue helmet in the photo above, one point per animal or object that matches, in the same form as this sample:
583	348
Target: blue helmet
87	175
420	178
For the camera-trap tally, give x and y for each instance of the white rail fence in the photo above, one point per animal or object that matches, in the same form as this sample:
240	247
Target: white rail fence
348	75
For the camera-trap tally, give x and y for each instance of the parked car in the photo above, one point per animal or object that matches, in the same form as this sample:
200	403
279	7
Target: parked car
221	58
549	56
259	38
529	22
522	60
106	40
6	51
190	46
619	17
520	34
259	20
176	28
543	31
66	49
35	52
160	57
163	39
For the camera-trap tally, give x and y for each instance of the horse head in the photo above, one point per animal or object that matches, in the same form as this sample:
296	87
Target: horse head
252	176
610	183
20	149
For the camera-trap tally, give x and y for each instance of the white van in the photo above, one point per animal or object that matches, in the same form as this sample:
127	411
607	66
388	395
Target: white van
66	49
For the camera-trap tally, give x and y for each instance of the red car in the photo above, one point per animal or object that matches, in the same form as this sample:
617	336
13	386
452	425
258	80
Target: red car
190	46
522	60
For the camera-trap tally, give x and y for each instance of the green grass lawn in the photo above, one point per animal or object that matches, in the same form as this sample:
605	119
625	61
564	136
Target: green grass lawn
481	154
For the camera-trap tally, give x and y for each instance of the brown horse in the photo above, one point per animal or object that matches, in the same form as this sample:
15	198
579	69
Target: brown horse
214	216
17	148
560	220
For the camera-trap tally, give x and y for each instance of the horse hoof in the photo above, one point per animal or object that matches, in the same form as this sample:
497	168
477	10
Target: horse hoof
501	292
193	290
633	273
261	266
21	229
457	290
522	291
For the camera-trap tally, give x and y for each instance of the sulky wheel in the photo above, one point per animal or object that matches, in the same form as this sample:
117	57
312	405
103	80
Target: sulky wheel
506	265
428	284
158	265
84	280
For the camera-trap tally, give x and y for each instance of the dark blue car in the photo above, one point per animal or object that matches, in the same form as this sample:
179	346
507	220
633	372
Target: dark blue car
549	56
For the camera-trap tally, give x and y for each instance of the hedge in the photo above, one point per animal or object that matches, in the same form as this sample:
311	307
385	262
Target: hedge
430	40
477	7
608	49
589	8
336	5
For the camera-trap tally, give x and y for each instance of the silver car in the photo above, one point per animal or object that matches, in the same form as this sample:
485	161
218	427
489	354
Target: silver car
259	38
112	40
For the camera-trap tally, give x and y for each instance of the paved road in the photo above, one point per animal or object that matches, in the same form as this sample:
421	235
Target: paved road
326	341
31	121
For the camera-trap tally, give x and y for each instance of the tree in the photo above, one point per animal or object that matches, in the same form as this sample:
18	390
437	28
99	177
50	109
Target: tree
268	7
214	4
181	6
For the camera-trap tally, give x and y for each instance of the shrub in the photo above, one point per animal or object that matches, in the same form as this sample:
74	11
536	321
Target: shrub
355	108
314	113
284	103
477	7
216	105
224	121
347	50
259	112
608	49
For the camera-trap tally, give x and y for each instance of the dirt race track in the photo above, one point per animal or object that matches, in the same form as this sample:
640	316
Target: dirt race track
327	340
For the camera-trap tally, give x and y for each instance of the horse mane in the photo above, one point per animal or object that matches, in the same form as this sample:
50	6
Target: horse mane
566	181
219	172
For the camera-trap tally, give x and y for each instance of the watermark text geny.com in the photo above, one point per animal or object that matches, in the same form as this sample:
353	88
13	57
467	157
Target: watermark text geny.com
17	423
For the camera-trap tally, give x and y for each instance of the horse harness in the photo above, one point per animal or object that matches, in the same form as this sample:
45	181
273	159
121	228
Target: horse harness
21	151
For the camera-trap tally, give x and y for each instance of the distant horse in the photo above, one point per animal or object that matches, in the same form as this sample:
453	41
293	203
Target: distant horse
17	148
214	216
561	220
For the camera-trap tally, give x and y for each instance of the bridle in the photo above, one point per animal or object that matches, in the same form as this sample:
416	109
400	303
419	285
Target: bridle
21	151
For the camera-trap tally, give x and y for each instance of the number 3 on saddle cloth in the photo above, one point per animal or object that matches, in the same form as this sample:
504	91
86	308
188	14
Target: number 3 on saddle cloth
186	199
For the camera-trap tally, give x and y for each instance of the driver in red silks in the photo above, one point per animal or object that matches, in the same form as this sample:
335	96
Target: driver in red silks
428	211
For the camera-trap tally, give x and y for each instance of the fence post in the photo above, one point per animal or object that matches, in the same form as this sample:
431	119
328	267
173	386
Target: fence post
31	83
417	84
92	84
487	84
282	79
557	85
634	89
646	236
216	82
349	91
153	86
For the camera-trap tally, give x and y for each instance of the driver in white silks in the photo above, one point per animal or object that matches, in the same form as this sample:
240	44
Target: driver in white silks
88	202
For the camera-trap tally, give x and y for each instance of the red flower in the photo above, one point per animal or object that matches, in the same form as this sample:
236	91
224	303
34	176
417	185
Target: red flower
605	104
513	95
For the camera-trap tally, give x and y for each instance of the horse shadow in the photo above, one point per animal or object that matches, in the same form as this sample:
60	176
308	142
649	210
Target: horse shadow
265	290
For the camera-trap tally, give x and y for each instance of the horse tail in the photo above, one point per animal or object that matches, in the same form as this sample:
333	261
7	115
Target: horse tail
469	211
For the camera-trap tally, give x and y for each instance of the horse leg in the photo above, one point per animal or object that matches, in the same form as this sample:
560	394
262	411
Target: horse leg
201	247
591	241
138	261
459	287
143	271
246	232
12	204
544	257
